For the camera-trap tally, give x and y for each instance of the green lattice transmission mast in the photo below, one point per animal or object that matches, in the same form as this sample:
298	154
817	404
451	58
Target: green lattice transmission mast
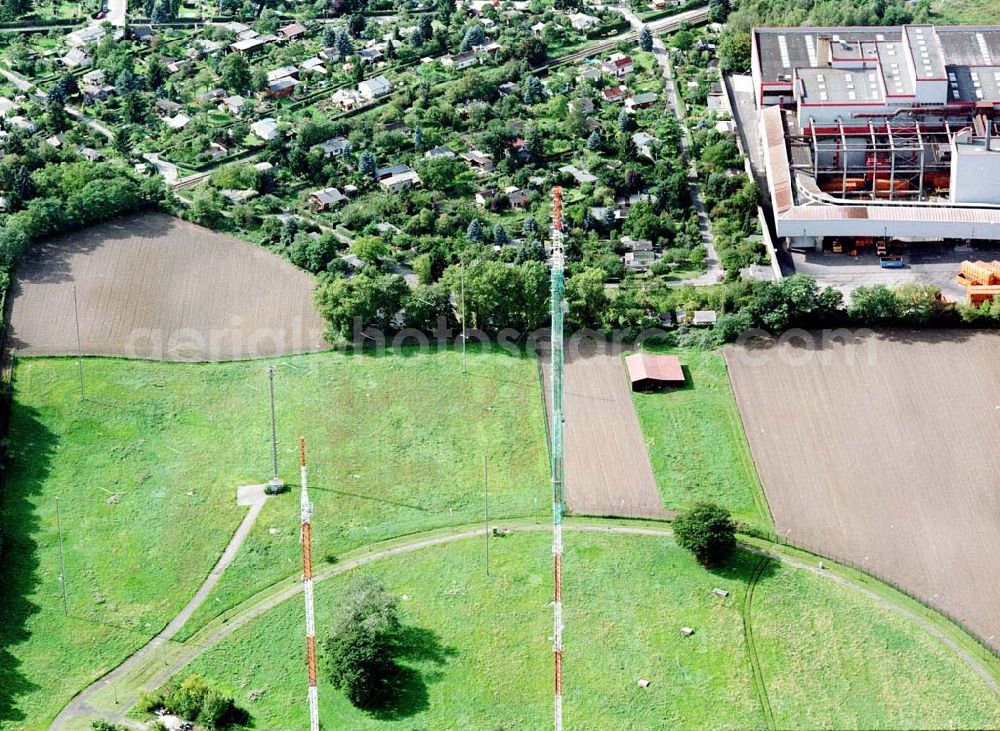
558	486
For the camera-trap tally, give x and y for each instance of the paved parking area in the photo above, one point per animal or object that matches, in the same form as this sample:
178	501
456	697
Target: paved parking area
926	264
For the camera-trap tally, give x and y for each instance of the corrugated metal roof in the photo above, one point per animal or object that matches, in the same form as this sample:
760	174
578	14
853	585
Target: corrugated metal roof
649	366
776	160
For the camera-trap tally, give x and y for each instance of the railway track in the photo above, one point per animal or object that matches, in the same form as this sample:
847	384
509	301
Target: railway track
665	25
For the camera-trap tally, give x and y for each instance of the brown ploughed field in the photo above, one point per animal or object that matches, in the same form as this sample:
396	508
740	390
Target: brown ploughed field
885	451
152	286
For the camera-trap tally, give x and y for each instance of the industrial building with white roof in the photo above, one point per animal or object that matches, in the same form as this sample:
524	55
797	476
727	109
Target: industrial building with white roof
880	132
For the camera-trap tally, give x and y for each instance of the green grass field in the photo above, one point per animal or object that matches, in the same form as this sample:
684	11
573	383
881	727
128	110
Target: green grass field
831	657
147	466
696	442
960	12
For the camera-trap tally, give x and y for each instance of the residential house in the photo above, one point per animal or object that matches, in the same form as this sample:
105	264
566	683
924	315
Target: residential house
346	99
89	154
583	22
631	244
21	123
613	94
639	261
142	33
478	160
282	87
625	202
640	101
392	170
399	127
326	198
166	107
212	95
459	61
618	65
178	122
266	129
472	106
238	196
233	104
487	51
588	72
400	182
93	78
580	176
83	36
313	65
96	92
75	59
372	54
252	45
644	143
438	153
334	147
93	88
282	73
517	197
204	47
176	65
292	32
582	106
716	101
374	88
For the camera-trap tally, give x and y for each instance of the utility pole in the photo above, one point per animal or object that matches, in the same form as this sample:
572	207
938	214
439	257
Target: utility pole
276	484
62	563
486	503
79	345
558	309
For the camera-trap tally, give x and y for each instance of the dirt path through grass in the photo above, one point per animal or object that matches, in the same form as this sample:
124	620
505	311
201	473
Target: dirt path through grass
252	496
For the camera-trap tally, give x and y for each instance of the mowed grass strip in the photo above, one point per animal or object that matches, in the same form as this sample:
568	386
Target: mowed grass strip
482	656
146	470
696	442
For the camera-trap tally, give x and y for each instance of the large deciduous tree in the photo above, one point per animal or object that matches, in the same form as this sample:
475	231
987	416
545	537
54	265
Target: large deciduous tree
361	648
707	531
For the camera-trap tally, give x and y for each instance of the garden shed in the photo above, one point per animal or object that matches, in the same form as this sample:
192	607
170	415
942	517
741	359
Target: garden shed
653	372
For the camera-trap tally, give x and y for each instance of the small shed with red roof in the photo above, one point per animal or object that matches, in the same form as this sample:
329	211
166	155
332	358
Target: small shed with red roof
654	372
